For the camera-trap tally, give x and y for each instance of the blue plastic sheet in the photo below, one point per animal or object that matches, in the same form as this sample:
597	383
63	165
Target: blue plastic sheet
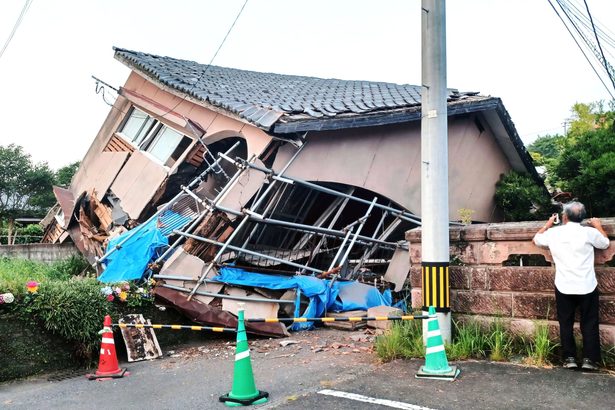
143	245
323	294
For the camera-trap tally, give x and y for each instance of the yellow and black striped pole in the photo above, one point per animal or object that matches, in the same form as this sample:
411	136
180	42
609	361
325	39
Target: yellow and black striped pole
335	319
436	286
176	327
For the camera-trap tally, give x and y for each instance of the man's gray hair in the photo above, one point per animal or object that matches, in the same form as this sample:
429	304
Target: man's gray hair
575	211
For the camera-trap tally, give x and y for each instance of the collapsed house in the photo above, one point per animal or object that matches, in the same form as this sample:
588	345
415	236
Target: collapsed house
289	193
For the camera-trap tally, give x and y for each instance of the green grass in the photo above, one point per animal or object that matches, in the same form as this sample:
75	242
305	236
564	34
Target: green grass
500	343
473	340
404	340
470	341
15	273
541	348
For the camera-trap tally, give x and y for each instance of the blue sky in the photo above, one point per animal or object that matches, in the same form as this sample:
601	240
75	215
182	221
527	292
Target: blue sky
516	50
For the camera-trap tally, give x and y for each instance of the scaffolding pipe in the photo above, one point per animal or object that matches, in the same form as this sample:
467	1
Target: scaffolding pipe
248	252
308	228
164	208
385	234
358	231
339	251
211	204
289	180
243	222
185	278
316	249
232	297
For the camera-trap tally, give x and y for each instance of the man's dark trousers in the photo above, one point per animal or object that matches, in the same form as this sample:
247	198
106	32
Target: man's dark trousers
588	305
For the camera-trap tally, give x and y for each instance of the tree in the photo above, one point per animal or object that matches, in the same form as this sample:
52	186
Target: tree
25	187
546	148
586	168
65	174
521	198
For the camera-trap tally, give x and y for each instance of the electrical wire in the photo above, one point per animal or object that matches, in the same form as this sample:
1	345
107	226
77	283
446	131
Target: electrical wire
604	61
571	11
579	45
24	10
210	62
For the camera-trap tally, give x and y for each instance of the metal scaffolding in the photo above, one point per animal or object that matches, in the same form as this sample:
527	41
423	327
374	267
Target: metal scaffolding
270	197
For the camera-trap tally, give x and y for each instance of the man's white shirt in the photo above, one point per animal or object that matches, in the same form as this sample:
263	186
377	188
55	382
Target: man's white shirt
572	247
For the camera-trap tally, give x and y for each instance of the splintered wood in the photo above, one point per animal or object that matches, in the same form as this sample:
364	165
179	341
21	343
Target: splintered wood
141	344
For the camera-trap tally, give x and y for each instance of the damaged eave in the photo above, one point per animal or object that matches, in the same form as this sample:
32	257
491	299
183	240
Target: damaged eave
373	119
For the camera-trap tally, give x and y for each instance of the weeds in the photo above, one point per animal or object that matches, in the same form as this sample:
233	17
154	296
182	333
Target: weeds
470	341
473	340
499	341
540	349
405	340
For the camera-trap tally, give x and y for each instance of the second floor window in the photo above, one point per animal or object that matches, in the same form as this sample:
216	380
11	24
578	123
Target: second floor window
150	135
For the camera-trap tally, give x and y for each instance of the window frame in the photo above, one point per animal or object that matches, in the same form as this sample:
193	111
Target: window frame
154	128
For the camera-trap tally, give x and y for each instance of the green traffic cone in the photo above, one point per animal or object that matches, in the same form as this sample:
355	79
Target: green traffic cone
244	392
436	364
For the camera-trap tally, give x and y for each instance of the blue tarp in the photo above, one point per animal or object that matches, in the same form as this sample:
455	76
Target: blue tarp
143	244
323	295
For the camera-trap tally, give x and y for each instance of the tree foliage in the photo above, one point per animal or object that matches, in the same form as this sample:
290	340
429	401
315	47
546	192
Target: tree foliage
582	162
65	174
546	149
521	198
586	168
25	187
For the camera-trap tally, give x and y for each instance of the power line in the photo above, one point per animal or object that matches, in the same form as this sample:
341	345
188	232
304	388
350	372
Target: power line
604	62
579	45
570	9
210	62
24	10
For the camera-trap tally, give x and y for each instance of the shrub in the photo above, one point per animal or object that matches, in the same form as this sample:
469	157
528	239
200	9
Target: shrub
72	309
520	198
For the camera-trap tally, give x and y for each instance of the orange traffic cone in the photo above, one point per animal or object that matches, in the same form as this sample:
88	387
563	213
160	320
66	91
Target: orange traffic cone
107	365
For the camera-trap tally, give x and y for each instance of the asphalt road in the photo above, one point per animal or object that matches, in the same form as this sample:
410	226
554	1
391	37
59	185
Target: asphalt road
334	362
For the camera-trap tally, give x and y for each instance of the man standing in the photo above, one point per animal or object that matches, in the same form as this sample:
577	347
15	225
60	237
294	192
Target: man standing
572	247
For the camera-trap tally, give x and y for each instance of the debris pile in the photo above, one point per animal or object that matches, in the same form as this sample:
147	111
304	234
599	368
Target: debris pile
223	229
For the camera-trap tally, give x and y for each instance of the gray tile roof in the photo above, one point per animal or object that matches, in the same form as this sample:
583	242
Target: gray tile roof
265	99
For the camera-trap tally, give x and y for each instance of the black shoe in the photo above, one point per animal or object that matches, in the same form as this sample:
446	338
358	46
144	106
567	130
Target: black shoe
589	365
570	363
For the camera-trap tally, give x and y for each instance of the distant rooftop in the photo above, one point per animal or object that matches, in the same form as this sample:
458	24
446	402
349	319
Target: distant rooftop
289	103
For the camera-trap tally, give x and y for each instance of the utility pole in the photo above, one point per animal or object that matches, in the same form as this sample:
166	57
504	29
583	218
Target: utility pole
434	166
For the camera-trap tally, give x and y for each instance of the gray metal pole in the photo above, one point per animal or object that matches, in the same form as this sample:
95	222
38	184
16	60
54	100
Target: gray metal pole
434	165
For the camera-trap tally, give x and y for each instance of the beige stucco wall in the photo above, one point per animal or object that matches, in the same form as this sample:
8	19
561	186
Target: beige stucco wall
387	160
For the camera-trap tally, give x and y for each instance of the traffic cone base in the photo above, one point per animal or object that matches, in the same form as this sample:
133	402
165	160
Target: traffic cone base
101	376
108	367
436	365
243	392
426	374
260	398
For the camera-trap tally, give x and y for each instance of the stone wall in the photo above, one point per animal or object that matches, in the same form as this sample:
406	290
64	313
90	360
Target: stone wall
42	252
493	273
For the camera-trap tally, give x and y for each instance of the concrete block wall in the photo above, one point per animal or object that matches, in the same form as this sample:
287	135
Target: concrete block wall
42	252
482	286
